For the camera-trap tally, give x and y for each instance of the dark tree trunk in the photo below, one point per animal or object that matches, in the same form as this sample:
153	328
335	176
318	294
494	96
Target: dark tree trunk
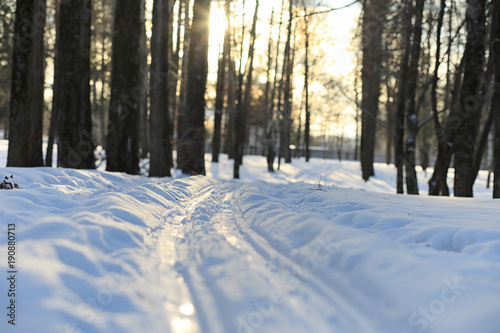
389	136
192	141
245	100
437	183
402	93
27	86
411	110
124	112
239	138
267	103
390	106
357	118
159	114
102	113
271	148
72	86
469	112
307	126
182	92
231	103
495	104
143	98
372	30
51	138
284	90
488	75
221	88
286	127
219	106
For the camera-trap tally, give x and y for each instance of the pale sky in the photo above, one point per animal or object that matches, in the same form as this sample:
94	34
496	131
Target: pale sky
336	32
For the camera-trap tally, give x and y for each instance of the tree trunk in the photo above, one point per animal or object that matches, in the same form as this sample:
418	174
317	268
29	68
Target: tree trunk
495	104
372	31
288	91
283	105
271	148
307	125
438	182
182	93
159	118
102	113
242	111
123	125
267	89
358	118
192	141
402	92
238	129
221	88
143	98
231	106
27	86
411	111
469	112
488	75
72	86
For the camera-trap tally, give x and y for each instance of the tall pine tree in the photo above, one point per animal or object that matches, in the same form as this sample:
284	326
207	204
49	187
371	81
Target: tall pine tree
192	141
72	86
126	89
26	105
159	115
372	29
496	104
469	113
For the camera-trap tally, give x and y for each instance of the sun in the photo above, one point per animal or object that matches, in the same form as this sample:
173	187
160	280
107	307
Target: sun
217	28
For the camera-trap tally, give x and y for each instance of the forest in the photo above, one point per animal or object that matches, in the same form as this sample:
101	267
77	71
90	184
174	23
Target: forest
132	80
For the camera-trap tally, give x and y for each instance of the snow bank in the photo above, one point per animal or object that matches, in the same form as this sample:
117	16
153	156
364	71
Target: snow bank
109	252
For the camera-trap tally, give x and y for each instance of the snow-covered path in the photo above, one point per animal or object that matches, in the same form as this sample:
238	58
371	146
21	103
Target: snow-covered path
104	252
214	273
265	290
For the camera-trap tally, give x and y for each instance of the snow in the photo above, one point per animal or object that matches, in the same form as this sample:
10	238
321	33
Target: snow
282	252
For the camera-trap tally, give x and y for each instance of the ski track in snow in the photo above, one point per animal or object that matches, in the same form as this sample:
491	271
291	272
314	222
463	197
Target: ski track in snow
272	286
105	252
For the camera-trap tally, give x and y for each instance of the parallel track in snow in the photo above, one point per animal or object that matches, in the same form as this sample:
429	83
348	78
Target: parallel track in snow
215	237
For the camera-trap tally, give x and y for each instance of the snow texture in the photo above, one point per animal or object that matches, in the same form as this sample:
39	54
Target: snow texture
109	252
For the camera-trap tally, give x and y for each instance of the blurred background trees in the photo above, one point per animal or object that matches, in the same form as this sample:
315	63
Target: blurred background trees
405	82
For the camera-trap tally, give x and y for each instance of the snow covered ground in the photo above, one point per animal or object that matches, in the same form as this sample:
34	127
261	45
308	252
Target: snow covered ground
108	252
